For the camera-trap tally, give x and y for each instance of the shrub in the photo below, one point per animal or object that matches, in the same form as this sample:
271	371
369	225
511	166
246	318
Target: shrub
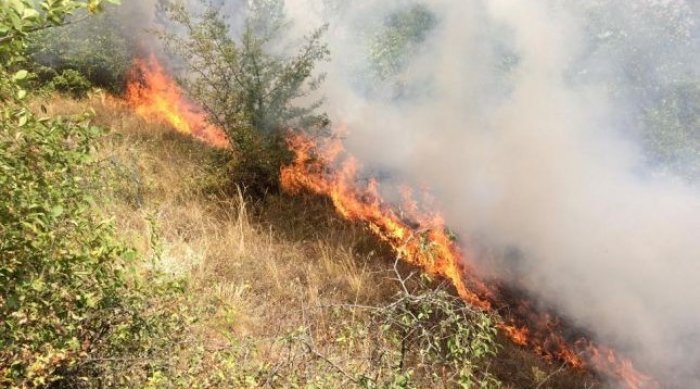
432	336
70	298
98	47
246	87
71	82
68	294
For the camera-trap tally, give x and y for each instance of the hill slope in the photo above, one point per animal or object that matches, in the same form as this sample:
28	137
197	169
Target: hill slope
278	291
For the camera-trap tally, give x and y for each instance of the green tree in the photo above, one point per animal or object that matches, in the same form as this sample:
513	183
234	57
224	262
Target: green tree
100	47
655	78
391	47
247	87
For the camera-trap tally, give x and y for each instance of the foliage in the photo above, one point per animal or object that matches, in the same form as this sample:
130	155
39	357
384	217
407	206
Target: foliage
419	339
392	46
71	82
435	335
245	85
66	294
18	19
655	79
672	137
70	298
98	47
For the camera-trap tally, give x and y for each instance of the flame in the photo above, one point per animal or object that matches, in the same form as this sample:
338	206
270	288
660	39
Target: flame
421	238
155	96
417	236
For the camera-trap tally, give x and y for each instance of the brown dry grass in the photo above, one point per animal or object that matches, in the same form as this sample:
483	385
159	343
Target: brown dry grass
257	269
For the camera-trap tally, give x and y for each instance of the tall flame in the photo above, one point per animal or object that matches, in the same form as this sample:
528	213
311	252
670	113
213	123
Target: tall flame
422	239
155	96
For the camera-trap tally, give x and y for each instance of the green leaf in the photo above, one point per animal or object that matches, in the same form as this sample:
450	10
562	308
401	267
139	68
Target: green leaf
20	75
30	13
57	211
16	22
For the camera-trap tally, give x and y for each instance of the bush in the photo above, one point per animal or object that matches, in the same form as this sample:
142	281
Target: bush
70	298
98	47
248	89
74	307
71	82
432	338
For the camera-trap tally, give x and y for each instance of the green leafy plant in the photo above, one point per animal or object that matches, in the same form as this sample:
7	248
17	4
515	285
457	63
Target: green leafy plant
71	82
248	89
435	335
70	296
98	47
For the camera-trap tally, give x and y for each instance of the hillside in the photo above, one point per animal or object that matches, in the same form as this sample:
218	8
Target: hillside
372	194
278	290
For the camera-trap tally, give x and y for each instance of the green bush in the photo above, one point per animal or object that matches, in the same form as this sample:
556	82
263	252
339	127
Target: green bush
71	82
98	47
71	301
68	294
248	89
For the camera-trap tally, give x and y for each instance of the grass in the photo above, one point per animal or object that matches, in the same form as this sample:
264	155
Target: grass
269	281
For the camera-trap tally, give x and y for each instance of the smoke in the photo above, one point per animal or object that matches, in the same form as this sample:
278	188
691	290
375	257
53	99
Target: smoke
544	130
529	122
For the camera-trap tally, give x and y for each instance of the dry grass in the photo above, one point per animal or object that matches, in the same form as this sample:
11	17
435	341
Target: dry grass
258	270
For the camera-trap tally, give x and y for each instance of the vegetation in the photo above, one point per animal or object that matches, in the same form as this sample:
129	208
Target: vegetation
653	45
71	82
81	309
280	292
245	87
127	258
70	297
391	47
99	48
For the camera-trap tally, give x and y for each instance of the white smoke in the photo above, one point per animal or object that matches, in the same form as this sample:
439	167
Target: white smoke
525	118
543	158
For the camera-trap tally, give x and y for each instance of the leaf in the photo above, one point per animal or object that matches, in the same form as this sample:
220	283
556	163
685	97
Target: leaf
16	22
20	75
57	211
21	94
30	13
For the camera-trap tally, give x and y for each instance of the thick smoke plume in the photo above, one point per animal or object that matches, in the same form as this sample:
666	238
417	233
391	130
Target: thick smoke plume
530	123
525	120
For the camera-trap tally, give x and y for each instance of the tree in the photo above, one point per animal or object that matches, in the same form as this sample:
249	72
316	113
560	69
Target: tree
247	87
392	46
101	48
655	78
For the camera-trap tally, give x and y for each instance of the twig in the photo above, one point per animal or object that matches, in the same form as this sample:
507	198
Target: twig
331	363
399	278
544	381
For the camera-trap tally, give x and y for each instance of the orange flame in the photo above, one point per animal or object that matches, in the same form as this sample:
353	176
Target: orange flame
422	239
155	96
418	237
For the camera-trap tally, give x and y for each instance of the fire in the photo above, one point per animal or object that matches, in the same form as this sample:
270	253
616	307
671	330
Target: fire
421	238
155	96
417	236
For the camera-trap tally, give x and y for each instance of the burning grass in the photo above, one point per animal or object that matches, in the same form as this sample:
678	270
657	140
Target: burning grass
420	237
276	285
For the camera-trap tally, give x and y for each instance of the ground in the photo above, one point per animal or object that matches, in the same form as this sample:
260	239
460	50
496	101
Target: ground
275	285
